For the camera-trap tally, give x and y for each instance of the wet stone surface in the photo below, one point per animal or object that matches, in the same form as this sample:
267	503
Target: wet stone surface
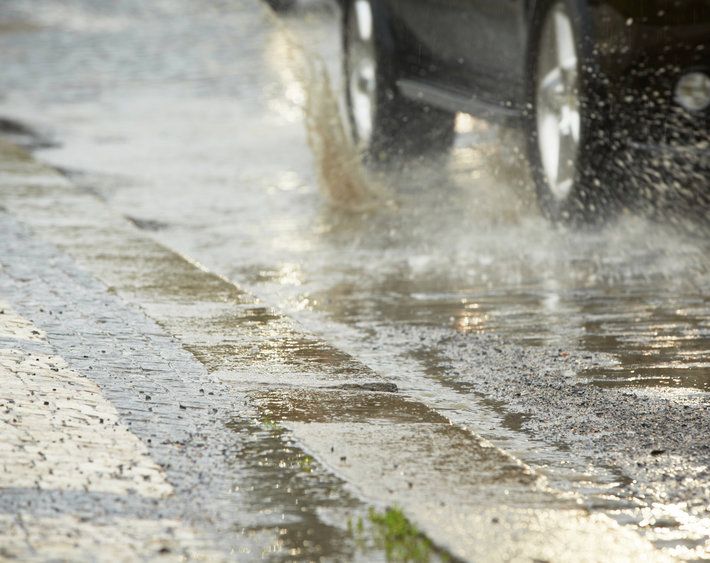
239	481
204	437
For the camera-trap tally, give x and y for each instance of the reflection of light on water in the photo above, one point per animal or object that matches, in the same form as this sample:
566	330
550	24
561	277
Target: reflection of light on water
289	102
466	123
304	304
295	94
288	181
672	524
290	274
470	319
287	275
551	302
469	323
672	341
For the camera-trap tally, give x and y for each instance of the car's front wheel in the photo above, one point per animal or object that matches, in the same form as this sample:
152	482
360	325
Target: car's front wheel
567	144
384	124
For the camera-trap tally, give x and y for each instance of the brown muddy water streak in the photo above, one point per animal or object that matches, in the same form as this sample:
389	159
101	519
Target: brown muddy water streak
341	175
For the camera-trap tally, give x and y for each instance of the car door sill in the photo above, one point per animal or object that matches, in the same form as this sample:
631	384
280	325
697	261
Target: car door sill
455	101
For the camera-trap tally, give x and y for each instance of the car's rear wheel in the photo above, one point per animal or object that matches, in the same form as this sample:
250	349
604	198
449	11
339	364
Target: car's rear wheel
566	141
384	124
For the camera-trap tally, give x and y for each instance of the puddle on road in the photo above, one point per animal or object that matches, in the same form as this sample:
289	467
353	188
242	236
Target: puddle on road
659	342
311	405
657	335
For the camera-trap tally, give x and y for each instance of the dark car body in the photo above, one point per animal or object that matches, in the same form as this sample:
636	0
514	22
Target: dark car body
472	55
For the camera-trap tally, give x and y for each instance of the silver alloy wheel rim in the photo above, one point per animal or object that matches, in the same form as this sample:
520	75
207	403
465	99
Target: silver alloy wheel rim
362	69
557	102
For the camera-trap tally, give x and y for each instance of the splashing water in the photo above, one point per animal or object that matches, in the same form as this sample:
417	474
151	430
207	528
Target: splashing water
339	166
340	170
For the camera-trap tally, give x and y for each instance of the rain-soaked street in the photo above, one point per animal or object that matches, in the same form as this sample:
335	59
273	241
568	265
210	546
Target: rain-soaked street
582	354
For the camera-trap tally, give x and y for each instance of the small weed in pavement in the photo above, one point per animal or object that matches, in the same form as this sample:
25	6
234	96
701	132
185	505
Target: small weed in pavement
271	426
402	540
306	463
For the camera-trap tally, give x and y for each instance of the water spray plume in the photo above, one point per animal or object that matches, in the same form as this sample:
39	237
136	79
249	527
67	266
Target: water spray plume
341	174
340	170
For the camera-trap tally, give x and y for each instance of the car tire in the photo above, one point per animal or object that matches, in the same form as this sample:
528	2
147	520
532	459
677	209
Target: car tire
384	125
567	131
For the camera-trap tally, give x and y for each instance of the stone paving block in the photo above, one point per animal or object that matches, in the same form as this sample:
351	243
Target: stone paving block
70	435
59	434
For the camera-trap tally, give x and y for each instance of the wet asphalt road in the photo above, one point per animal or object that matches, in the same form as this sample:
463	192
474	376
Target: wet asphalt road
585	354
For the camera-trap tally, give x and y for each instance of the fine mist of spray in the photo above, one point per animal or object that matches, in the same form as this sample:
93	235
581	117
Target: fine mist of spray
341	174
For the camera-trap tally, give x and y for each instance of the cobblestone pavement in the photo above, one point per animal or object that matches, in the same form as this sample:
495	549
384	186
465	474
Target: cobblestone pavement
151	407
166	397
